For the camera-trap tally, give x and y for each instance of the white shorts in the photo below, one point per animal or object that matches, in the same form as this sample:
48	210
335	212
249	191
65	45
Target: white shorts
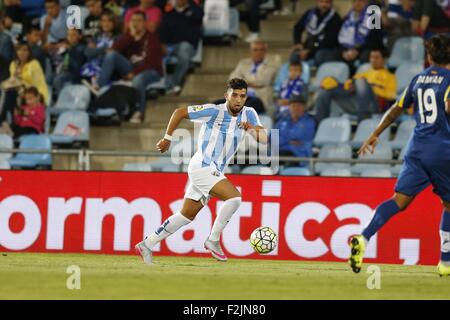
201	181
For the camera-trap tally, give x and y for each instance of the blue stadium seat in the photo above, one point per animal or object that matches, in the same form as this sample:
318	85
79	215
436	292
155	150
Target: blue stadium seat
72	97
261	170
383	151
404	131
295	171
336	151
405	73
407	49
396	168
138	167
333	130
32	160
365	128
377	173
71	126
6	142
338	70
336	172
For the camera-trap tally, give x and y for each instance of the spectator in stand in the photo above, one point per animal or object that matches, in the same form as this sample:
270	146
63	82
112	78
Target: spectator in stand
431	17
6	44
259	72
355	37
374	90
181	31
253	18
53	24
293	86
92	21
29	118
399	20
33	38
97	47
136	57
152	12
320	24
25	71
68	60
296	130
14	16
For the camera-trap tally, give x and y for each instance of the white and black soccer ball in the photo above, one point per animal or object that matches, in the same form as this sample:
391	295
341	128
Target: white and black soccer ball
263	240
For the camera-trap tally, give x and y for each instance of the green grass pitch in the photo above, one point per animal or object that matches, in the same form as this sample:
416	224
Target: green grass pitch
43	276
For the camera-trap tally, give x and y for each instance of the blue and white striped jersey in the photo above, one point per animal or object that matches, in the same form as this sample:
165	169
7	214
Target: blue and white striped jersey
220	135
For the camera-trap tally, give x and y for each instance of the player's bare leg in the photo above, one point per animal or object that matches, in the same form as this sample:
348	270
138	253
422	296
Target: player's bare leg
187	213
444	263
383	213
227	192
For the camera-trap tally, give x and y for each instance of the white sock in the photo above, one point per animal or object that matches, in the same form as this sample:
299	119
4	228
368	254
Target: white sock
225	213
170	226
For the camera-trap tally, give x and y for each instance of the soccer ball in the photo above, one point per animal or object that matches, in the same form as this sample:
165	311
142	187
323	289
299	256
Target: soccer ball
263	240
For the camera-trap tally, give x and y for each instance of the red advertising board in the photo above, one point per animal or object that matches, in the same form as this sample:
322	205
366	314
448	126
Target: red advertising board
108	212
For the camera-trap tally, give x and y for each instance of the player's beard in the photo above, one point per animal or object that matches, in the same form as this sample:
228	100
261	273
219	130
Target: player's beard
235	109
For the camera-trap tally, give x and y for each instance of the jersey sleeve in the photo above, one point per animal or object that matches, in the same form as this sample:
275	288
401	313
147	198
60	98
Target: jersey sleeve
406	99
252	117
201	113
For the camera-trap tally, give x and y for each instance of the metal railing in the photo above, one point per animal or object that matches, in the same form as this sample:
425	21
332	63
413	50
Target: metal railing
84	157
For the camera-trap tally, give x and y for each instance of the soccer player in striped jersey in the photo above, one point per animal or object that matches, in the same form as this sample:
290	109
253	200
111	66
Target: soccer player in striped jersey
427	158
223	129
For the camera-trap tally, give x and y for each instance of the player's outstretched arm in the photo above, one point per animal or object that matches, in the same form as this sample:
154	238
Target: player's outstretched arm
177	116
389	117
258	132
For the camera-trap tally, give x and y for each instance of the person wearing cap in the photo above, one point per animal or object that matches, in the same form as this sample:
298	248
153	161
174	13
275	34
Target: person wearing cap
296	130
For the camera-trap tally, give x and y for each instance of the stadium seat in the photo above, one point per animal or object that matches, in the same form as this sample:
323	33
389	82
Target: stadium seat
338	70
295	171
198	57
364	67
337	151
72	97
261	170
383	151
6	142
404	131
377	173
4	165
336	172
138	167
397	168
333	130
407	49
283	74
71	126
266	121
216	18
165	164
32	160
365	128
405	73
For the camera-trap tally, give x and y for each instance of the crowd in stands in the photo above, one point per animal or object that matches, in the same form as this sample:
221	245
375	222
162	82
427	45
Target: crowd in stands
130	42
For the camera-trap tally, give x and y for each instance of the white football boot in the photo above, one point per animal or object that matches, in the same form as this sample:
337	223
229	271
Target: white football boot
216	250
145	252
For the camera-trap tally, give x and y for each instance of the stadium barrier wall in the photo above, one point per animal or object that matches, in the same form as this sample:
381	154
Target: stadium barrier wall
108	212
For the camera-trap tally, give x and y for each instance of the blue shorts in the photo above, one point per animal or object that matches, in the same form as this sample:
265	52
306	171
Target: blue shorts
417	174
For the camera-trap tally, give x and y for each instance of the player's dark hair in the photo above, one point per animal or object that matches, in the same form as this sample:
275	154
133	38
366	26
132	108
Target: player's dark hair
52	1
438	47
237	83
